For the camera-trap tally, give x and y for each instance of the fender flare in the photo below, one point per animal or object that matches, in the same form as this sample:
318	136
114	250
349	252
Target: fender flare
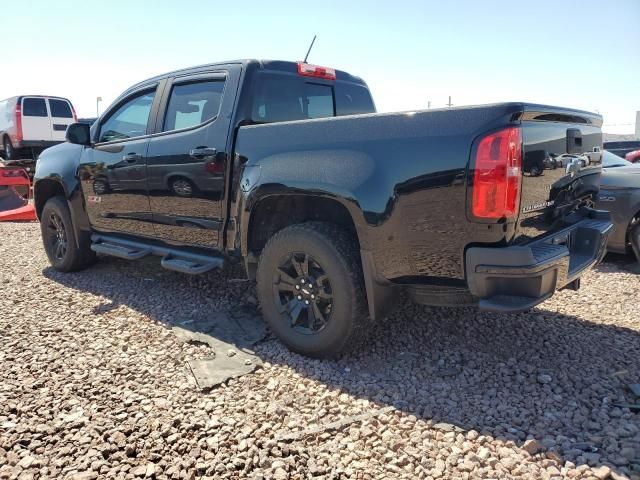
381	294
75	203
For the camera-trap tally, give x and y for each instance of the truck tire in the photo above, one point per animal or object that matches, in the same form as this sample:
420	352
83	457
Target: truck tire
634	237
311	289
58	238
9	152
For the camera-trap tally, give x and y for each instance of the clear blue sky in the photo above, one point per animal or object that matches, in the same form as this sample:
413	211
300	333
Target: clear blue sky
583	54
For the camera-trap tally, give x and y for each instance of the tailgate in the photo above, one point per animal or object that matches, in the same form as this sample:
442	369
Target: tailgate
561	167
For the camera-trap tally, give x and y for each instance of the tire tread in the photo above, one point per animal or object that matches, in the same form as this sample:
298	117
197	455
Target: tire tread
349	256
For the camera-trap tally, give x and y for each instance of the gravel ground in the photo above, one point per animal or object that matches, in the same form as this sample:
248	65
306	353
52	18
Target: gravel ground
95	384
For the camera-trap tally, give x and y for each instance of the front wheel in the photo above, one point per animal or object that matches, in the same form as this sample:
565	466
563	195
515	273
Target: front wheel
64	253
311	289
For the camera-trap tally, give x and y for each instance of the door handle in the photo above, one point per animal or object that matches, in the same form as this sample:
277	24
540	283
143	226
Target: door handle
200	152
131	157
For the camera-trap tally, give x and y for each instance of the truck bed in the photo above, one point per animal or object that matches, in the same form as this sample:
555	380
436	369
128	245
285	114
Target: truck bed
406	176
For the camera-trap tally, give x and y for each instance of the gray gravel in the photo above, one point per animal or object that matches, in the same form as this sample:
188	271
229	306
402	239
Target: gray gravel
96	385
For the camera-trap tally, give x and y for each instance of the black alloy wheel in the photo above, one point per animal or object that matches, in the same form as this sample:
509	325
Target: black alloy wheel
311	289
302	290
57	237
66	252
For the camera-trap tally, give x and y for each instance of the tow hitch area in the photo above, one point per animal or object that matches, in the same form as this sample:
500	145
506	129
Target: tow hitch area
15	193
514	279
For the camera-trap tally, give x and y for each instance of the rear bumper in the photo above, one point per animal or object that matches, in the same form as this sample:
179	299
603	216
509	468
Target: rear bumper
516	278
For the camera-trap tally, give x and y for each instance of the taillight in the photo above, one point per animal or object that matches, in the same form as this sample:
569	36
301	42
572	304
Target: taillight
73	112
498	175
214	167
308	70
18	114
631	155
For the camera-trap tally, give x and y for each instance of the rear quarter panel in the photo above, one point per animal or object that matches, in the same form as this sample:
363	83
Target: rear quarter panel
402	176
7	118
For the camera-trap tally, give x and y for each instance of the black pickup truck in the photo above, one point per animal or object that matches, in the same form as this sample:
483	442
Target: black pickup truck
333	208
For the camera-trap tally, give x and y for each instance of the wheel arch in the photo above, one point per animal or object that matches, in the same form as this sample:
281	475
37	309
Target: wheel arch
47	188
273	212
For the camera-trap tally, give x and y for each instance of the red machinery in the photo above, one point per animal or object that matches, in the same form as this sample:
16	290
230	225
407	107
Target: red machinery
15	193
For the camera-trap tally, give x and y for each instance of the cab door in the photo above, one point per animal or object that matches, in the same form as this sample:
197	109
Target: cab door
113	170
187	157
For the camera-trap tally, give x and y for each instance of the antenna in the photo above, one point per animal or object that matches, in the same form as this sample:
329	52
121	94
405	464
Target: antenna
310	47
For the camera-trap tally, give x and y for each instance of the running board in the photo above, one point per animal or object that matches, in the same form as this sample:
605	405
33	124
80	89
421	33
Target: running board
188	265
120	251
172	259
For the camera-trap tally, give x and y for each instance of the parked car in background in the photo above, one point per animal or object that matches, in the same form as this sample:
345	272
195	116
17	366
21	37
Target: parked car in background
621	147
620	195
633	157
31	123
334	209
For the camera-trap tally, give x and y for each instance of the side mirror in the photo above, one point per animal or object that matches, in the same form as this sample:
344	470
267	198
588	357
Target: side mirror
78	133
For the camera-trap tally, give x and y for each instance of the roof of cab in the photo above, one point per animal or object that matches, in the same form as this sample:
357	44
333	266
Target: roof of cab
280	65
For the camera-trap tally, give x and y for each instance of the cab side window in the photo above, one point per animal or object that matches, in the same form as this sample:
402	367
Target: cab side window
194	103
129	120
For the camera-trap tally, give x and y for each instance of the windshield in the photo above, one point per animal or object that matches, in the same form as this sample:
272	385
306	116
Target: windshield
610	160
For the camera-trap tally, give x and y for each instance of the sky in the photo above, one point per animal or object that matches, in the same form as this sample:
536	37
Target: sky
575	53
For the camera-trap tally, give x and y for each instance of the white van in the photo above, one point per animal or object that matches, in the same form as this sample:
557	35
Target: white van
31	123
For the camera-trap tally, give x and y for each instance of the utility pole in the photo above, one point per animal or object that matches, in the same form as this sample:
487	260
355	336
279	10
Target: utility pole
429	104
450	104
98	100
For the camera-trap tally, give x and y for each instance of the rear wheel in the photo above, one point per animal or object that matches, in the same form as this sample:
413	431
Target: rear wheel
182	187
9	152
59	242
311	289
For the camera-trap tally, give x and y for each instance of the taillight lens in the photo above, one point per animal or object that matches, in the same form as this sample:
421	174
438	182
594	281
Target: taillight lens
498	175
631	155
308	70
214	167
18	114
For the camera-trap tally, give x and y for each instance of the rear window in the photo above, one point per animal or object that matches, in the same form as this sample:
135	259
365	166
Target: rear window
191	104
352	99
60	108
34	107
281	97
